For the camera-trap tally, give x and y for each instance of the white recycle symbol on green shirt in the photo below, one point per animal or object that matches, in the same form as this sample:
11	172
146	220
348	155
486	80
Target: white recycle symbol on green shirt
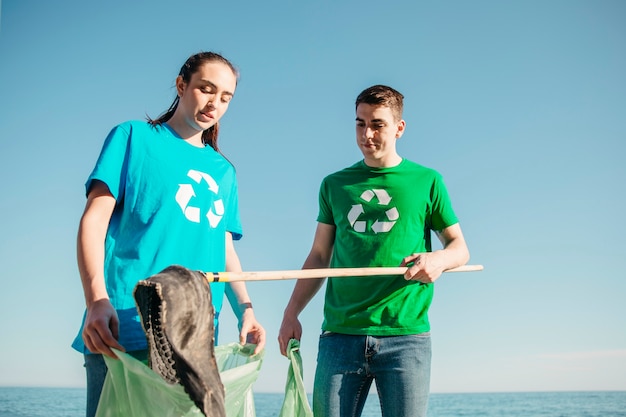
186	193
379	225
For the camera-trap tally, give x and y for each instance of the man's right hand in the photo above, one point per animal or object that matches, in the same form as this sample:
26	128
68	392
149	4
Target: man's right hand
101	329
289	329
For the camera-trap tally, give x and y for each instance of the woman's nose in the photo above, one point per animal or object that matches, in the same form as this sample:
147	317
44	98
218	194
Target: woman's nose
212	102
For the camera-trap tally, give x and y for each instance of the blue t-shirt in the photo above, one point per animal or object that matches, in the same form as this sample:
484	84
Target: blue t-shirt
174	204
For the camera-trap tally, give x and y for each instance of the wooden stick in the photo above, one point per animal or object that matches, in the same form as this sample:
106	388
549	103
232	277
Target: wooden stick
318	273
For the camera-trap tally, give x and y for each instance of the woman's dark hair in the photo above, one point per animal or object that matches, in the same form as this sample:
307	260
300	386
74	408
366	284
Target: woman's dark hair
191	66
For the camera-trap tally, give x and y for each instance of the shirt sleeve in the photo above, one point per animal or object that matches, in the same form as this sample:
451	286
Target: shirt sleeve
325	214
233	224
112	164
442	215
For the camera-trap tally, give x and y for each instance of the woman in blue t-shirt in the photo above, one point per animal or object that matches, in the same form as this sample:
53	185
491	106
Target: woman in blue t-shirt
160	194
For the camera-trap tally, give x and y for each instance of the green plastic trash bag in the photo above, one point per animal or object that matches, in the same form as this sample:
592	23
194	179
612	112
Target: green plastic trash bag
132	389
239	369
296	403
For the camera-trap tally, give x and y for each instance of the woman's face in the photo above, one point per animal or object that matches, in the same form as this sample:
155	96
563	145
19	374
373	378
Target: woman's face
205	98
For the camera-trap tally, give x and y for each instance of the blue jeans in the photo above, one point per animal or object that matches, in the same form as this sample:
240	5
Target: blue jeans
96	373
347	365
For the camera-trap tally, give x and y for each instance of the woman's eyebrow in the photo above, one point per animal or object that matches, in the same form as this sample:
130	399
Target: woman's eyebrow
212	85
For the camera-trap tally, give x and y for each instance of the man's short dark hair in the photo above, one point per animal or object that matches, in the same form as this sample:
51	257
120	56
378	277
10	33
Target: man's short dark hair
382	95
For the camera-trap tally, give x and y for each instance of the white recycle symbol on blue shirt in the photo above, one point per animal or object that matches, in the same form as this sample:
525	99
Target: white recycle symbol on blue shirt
378	226
186	193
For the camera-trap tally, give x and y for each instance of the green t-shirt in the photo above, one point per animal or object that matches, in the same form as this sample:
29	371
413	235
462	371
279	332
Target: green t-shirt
381	216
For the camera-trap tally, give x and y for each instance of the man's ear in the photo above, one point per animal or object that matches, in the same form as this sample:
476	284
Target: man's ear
400	128
180	85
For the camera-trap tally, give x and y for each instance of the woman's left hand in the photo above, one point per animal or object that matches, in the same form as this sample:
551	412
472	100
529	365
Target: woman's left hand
251	331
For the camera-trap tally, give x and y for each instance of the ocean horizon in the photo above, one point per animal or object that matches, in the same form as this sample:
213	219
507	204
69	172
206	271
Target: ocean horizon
70	402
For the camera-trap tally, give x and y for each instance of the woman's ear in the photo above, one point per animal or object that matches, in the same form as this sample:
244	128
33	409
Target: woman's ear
180	85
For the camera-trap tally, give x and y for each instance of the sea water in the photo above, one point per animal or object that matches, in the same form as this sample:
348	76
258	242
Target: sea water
70	402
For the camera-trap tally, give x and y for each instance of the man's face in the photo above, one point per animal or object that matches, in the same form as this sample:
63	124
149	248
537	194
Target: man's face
376	133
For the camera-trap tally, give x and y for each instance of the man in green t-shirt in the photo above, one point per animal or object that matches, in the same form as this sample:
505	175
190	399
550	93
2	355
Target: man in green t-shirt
377	212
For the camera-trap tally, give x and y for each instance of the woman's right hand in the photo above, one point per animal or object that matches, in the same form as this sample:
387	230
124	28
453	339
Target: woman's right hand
101	329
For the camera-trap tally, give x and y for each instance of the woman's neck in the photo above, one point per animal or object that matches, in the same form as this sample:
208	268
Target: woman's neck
186	132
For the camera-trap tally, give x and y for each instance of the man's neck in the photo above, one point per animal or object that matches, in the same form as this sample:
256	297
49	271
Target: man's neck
387	162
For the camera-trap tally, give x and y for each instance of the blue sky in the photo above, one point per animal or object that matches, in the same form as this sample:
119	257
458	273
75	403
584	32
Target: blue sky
520	105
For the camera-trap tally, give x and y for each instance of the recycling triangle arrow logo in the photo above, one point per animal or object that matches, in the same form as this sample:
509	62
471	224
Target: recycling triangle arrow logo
186	192
379	225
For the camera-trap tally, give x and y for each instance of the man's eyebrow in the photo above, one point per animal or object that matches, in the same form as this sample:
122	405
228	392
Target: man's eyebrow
358	119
